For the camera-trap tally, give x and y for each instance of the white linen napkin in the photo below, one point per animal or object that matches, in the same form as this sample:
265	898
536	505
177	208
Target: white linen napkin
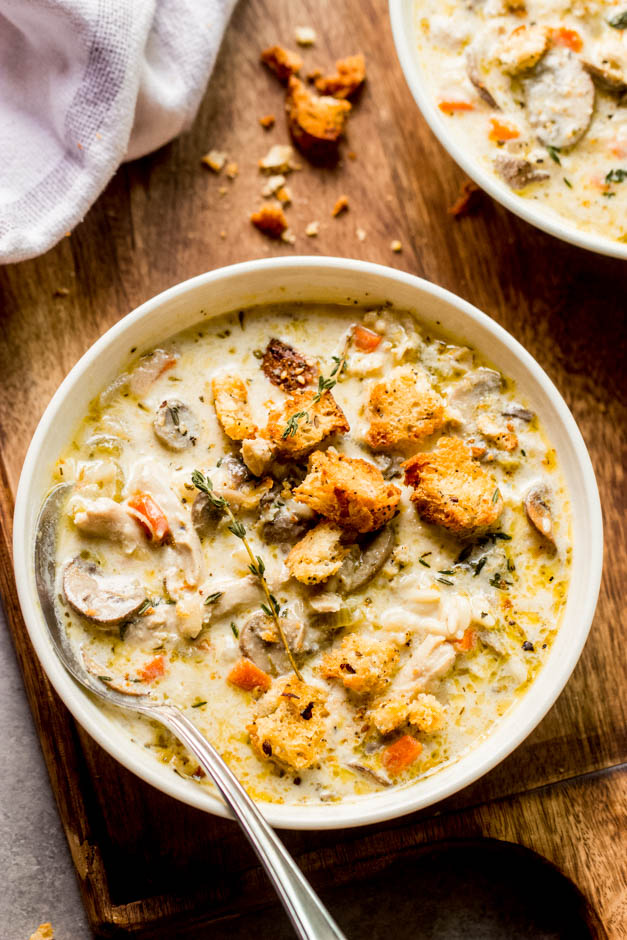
85	85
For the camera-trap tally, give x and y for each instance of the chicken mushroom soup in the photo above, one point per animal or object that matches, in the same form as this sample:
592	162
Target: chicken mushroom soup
338	542
536	91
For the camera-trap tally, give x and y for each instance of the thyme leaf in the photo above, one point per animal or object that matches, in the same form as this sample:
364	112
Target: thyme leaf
619	21
292	425
553	153
212	598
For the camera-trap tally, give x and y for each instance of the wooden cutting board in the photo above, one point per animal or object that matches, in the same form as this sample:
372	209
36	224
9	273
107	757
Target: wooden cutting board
148	866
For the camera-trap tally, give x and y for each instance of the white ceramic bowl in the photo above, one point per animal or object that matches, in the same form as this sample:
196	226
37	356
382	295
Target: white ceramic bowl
403	27
338	281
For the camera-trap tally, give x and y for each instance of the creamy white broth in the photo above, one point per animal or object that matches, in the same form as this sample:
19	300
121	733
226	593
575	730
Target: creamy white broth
574	138
512	601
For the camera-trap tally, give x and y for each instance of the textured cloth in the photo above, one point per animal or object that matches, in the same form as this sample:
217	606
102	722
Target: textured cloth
85	85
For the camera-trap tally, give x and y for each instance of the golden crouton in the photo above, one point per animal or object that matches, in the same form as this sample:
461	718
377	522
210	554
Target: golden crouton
286	367
303	423
349	491
451	489
351	73
504	437
282	62
270	220
316	124
43	932
424	712
363	665
289	727
318	555
230	398
403	410
523	48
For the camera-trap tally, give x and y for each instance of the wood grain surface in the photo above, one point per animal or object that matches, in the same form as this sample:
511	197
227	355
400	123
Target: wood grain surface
148	866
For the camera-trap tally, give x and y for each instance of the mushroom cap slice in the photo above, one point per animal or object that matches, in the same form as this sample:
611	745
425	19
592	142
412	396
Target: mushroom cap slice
103	599
538	509
559	98
361	566
205	516
258	640
175	425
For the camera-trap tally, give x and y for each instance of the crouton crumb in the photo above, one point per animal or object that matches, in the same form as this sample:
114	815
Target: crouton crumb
289	728
215	160
424	712
305	35
361	664
232	170
350	75
278	159
270	220
340	206
361	234
267	121
43	932
396	245
273	185
284	195
318	555
316	123
467	201
312	229
282	62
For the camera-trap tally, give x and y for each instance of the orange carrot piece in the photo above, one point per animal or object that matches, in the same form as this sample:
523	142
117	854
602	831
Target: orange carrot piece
467	642
365	340
450	106
567	37
153	669
245	675
501	131
400	754
150	516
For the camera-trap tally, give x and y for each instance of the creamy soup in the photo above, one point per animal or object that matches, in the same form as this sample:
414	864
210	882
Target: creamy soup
336	540
536	91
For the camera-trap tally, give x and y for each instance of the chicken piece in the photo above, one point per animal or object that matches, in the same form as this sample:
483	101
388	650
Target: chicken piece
424	712
451	489
363	665
304	423
230	399
286	367
258	455
403	410
316	123
518	172
289	727
502	436
318	555
104	518
231	594
349	491
427	662
148	370
523	48
350	76
282	62
559	98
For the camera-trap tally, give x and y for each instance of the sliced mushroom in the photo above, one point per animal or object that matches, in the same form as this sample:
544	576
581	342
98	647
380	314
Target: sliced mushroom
175	425
286	367
559	98
370	774
103	599
537	506
517	411
205	516
284	521
117	683
606	78
474	74
389	465
259	641
518	172
235	482
480	56
363	563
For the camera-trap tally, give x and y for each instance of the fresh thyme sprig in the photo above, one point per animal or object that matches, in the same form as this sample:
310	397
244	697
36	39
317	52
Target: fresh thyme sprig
292	425
257	567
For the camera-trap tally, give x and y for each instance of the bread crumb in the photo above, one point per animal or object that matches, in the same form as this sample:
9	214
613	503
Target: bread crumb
278	159
351	155
361	234
222	234
396	245
312	229
60	292
267	121
351	73
305	35
282	62
232	170
270	220
288	238
467	201
284	195
215	160
340	206
316	123
43	932
274	183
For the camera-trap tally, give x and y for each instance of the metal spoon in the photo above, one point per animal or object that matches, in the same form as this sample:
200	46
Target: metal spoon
309	917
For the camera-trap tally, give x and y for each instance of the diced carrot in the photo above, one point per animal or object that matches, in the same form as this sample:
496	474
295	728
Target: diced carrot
150	516
501	131
365	340
450	106
245	675
400	754
567	37
153	669
467	642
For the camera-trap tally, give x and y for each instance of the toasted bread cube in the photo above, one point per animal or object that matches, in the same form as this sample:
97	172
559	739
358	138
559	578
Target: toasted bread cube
451	489
230	399
349	491
282	62
403	410
316	123
424	712
289	727
318	555
286	367
363	665
351	73
303	423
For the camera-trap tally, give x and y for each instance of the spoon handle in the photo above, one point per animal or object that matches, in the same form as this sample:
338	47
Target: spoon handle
309	917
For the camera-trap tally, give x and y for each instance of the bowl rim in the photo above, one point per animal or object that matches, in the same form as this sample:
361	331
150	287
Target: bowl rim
524	208
376	807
